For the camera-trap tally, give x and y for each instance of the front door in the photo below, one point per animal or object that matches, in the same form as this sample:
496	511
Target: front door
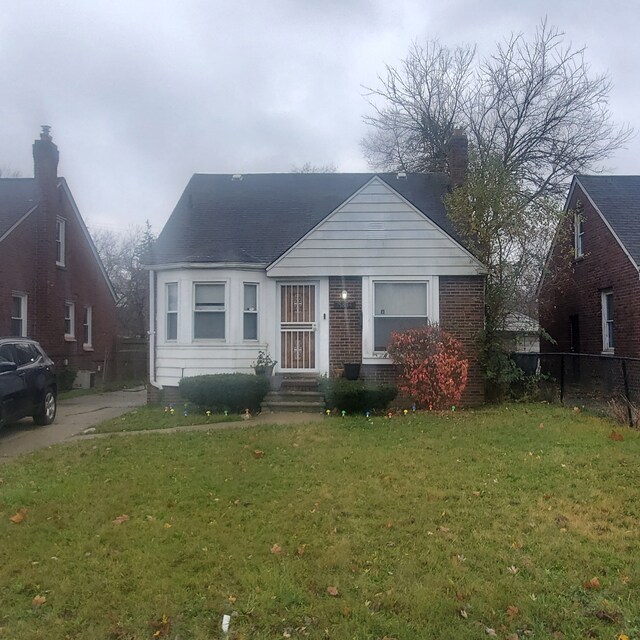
298	326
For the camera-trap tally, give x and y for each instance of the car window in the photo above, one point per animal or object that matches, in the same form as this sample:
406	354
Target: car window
26	353
6	353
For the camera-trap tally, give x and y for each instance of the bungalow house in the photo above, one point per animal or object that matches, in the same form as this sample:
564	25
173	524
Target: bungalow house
53	286
589	296
316	269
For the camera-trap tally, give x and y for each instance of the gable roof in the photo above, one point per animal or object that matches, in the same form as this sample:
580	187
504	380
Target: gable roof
17	197
617	199
256	218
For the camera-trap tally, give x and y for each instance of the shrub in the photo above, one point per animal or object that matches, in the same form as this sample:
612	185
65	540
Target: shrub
355	396
431	368
225	391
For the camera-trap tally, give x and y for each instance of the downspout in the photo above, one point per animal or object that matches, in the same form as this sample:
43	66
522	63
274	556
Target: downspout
152	330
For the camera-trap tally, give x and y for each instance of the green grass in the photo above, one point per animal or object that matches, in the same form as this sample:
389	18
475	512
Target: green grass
153	417
417	521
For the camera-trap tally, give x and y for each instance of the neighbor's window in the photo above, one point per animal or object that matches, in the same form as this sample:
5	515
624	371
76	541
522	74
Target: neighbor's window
250	313
607	321
578	226
209	311
60	241
172	310
397	306
87	329
69	320
19	314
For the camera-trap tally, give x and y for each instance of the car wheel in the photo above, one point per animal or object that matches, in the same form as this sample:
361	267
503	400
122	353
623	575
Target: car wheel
47	413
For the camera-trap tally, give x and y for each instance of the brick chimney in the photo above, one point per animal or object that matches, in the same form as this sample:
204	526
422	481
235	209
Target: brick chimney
458	156
45	171
45	162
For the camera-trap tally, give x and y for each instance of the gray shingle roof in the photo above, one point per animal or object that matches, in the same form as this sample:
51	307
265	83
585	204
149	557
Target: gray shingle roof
256	219
618	199
17	196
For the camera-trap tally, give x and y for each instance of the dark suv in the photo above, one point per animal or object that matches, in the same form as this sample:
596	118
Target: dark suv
27	382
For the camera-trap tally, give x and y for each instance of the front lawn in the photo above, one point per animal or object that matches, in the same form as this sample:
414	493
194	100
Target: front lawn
519	521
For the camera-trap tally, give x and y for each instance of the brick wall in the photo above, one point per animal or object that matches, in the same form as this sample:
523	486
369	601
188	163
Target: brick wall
345	323
462	314
574	287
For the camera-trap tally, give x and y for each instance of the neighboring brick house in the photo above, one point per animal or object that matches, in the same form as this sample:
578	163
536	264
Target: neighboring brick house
316	268
53	286
589	295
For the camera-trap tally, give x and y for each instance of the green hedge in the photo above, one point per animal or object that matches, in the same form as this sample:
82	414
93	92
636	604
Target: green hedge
225	391
355	396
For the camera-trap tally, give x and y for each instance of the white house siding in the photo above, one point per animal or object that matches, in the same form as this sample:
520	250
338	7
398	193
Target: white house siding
186	356
376	233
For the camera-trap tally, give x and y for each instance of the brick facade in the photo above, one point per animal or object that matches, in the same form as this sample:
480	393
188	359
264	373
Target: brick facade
30	250
573	287
462	315
345	323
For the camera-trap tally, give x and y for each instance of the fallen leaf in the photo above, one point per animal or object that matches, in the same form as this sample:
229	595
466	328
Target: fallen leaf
513	570
276	549
38	601
513	636
120	519
231	599
541	425
490	632
389	524
513	612
19	516
333	591
258	454
576	409
346	612
625	579
623	636
594	583
167	525
463	613
616	436
301	549
461	596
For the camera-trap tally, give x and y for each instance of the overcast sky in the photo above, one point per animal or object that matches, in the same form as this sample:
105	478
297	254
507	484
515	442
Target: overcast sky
140	94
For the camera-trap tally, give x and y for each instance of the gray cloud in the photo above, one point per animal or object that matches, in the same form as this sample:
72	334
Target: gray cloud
142	94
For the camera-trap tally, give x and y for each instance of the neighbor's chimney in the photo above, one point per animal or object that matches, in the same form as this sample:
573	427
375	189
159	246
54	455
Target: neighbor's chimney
45	163
458	156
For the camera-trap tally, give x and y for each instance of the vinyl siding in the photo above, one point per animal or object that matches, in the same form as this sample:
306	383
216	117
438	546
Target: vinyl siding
376	233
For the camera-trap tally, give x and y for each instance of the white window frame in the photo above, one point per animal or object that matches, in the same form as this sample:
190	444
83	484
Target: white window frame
70	316
608	323
171	312
87	328
223	310
369	356
255	311
61	241
23	313
578	231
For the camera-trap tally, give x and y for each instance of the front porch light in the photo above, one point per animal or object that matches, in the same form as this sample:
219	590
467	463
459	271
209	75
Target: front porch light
344	295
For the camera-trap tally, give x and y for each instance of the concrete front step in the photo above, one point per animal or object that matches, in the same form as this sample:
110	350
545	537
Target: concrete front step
298	396
298	383
295	393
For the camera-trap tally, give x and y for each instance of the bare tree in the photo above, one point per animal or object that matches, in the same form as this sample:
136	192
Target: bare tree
307	167
533	103
416	108
124	256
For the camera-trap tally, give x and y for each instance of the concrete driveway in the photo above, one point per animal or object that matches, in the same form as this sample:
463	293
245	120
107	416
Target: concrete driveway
74	416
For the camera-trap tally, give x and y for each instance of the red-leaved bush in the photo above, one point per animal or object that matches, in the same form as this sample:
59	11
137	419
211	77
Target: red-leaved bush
432	370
